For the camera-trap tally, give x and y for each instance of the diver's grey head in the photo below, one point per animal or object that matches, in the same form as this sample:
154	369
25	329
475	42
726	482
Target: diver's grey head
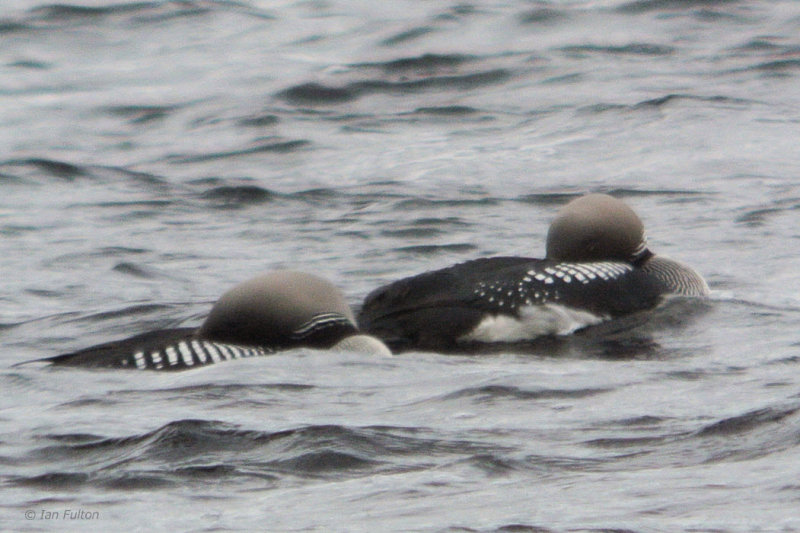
597	227
281	308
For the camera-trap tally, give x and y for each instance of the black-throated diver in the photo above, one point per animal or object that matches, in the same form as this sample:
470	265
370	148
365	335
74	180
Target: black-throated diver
597	267
276	311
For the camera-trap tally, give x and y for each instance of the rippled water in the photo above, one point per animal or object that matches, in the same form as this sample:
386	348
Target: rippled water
154	154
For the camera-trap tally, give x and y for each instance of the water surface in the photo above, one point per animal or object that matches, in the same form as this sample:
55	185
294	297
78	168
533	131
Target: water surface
154	154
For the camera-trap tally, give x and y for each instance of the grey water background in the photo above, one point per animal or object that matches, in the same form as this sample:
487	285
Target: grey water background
154	154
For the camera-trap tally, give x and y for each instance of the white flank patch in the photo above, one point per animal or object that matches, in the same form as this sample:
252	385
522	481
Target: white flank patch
364	344
534	321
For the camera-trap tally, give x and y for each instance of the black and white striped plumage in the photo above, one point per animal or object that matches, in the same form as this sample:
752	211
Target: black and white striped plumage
598	267
182	348
171	349
504	299
276	311
322	329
